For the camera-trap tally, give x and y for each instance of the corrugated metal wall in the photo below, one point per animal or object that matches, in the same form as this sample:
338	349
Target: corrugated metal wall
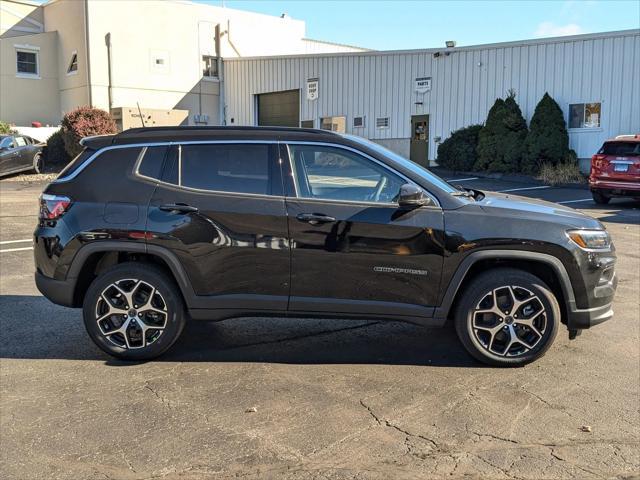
582	69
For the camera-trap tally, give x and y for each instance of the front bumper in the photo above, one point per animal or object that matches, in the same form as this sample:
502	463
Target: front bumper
58	291
587	318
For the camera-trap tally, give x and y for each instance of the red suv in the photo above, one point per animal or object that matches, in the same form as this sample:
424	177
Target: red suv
615	169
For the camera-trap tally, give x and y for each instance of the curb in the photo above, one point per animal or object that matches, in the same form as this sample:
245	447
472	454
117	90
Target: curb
509	177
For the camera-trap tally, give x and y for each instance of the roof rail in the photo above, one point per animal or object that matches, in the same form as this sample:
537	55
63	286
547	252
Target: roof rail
628	136
143	130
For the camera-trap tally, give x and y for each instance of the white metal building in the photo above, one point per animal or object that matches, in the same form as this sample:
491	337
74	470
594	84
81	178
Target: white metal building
410	100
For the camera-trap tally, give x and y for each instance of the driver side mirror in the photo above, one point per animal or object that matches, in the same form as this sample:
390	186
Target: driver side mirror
412	196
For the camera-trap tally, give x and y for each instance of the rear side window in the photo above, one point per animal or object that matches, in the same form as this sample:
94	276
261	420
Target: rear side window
74	164
621	149
151	163
239	168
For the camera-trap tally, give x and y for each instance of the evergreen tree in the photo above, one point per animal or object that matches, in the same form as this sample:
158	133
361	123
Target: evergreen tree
501	141
548	140
458	152
489	138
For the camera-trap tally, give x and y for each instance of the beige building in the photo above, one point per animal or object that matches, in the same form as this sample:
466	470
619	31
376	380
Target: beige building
163	55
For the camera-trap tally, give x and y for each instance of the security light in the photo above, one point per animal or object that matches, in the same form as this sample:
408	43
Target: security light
450	43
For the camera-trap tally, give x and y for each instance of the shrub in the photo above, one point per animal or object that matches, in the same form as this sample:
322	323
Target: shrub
548	140
84	122
458	152
55	152
5	128
566	171
501	140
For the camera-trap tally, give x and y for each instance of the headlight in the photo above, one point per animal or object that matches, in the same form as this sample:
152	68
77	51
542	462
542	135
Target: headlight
590	239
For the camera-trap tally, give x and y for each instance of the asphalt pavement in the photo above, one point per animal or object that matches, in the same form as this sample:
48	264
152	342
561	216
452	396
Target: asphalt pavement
330	399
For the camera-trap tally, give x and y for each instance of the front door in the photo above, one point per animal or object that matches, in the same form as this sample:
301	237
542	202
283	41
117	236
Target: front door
353	250
220	208
419	152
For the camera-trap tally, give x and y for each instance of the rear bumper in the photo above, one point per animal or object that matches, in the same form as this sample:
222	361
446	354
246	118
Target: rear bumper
58	291
626	186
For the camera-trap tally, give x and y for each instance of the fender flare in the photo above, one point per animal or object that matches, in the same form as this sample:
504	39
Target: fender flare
461	272
166	255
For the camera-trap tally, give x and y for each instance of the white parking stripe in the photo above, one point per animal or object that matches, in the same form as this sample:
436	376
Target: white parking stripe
525	188
462	179
6	242
7	250
578	201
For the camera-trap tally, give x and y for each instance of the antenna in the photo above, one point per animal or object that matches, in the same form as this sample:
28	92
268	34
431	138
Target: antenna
140	112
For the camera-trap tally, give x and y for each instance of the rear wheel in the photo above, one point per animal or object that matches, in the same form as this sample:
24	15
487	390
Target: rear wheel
599	197
38	163
134	311
507	317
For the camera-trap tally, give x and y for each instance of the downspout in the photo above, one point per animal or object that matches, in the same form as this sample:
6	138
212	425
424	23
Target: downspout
107	41
86	50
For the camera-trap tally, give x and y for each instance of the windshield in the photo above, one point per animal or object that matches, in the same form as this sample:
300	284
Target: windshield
408	164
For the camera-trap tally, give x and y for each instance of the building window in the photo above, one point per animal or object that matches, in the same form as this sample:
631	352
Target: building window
27	63
306	124
382	122
210	66
358	122
334	124
584	115
73	65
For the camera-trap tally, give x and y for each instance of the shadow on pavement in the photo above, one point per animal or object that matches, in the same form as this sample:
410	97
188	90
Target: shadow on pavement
33	328
619	210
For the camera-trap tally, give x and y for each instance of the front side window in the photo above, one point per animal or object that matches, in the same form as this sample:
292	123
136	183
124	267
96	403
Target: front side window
337	174
234	168
27	62
584	115
20	141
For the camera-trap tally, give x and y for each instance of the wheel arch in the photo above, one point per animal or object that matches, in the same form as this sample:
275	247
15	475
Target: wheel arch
94	258
546	267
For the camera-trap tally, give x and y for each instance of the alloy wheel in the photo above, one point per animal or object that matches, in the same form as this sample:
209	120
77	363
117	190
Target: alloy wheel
509	321
131	313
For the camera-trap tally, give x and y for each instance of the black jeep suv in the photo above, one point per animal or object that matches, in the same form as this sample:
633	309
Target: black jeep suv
151	226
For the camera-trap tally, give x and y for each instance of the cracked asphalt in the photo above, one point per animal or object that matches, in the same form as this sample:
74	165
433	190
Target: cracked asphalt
313	399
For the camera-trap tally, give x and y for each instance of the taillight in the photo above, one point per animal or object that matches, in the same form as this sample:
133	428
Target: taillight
599	161
53	206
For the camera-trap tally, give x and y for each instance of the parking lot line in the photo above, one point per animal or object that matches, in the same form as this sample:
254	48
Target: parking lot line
523	188
7	250
462	179
577	201
7	242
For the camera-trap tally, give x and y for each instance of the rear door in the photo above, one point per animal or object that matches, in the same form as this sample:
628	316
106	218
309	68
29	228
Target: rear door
354	251
21	160
220	208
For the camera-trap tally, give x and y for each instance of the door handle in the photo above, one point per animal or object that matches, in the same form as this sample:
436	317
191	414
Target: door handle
315	218
178	208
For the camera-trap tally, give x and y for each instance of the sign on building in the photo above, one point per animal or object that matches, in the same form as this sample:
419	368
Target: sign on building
423	84
312	89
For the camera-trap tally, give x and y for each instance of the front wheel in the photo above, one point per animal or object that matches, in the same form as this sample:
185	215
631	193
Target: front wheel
507	317
134	311
599	197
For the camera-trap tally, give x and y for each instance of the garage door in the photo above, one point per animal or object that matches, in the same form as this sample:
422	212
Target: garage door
279	109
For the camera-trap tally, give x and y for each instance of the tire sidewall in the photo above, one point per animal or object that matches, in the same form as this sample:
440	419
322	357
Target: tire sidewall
164	286
477	291
38	163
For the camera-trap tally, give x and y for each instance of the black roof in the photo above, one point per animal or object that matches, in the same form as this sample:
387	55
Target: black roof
155	134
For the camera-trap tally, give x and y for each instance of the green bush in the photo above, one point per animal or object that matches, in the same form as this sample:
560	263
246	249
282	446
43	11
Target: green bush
458	152
85	122
548	140
5	128
55	152
501	140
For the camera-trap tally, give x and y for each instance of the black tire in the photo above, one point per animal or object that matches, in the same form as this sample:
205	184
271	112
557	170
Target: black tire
136	344
599	197
492	288
38	163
